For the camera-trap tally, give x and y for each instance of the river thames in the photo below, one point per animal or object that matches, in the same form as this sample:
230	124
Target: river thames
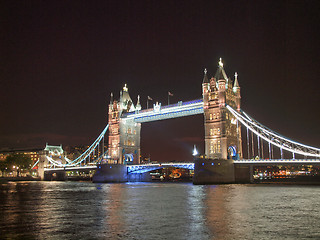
84	210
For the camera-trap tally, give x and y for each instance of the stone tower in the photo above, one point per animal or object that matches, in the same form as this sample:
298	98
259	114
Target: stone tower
124	134
222	130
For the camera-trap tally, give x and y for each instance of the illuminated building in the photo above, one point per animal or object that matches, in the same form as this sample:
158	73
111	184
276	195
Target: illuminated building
33	153
124	134
222	131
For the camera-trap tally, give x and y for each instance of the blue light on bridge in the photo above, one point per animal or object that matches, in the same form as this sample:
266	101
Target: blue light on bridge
150	167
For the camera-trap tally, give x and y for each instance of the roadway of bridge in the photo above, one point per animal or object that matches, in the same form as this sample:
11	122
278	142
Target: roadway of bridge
141	168
277	162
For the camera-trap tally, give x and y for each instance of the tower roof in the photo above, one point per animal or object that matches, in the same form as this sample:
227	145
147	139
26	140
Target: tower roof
54	149
205	77
220	74
126	101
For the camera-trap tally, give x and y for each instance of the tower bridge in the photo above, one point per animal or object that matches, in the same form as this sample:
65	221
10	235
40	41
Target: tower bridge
222	131
222	157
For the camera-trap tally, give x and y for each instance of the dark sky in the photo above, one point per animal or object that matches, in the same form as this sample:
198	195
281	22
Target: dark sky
59	61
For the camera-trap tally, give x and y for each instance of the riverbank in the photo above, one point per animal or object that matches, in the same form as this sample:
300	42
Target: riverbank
288	181
300	180
16	179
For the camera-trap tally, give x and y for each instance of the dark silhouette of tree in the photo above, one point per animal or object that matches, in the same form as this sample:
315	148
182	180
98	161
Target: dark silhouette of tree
18	162
3	166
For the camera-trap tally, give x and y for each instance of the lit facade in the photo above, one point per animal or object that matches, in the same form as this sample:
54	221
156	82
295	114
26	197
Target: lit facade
222	130
33	153
124	134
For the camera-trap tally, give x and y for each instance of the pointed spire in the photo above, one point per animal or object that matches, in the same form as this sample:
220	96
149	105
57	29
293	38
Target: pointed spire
125	88
120	98
236	84
220	62
220	74
138	106
111	98
205	78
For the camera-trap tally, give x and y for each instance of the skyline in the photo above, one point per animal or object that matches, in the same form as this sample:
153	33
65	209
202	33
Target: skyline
62	60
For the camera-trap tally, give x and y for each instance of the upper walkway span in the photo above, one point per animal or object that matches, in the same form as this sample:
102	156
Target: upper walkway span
180	109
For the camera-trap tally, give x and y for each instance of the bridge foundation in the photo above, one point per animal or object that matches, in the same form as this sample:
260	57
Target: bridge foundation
41	168
117	173
55	176
211	171
243	174
110	173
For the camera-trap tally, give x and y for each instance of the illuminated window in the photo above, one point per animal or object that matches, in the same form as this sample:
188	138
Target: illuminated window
214	116
218	115
129	130
211	131
218	130
210	116
211	148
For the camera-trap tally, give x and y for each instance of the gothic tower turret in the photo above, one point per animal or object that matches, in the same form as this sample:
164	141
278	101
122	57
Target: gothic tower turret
124	134
205	89
222	131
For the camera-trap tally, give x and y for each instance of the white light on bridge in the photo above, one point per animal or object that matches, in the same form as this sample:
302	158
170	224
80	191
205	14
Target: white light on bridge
195	151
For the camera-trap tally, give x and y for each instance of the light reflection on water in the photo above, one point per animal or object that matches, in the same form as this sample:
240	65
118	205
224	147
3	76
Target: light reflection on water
83	210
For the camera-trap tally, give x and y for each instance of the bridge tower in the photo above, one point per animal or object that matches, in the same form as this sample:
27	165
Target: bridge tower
222	130
124	134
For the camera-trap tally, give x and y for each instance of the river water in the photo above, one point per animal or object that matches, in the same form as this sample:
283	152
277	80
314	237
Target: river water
84	210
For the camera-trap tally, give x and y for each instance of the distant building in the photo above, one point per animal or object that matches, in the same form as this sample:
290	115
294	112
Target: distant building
53	154
34	153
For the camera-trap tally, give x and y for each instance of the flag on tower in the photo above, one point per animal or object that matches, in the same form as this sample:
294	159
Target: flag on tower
149	98
170	94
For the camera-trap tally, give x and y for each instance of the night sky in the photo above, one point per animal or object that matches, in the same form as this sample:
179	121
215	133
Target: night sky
60	60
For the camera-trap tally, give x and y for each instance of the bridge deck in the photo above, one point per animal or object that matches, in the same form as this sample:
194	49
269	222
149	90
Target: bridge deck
275	162
150	167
